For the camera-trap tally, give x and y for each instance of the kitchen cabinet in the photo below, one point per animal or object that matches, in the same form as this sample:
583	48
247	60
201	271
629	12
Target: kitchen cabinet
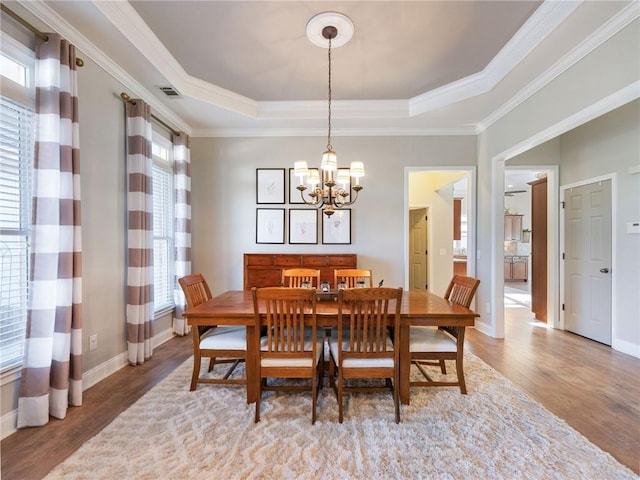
459	265
513	228
516	268
457	218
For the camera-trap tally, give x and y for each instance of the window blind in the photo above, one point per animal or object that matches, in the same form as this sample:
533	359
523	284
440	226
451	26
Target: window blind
16	159
162	238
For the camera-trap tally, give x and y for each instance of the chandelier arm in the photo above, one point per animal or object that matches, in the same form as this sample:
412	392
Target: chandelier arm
353	196
316	197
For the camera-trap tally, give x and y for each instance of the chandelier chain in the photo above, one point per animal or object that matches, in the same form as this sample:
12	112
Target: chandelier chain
329	146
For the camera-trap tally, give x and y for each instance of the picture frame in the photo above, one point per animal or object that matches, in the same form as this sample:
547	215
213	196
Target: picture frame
294	193
270	185
303	226
336	229
269	225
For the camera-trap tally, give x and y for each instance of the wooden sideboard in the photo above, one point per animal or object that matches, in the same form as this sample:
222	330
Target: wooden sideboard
265	269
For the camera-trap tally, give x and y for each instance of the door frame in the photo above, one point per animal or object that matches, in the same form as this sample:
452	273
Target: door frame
614	208
472	202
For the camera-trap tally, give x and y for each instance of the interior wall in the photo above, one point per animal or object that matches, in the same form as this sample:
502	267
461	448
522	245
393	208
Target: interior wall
592	85
611	145
224	200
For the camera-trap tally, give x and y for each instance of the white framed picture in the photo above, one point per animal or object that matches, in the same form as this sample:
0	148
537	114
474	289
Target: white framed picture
303	225
270	185
269	225
336	229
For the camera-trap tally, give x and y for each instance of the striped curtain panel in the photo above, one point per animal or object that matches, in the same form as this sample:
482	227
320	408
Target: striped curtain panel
182	182
52	367
140	314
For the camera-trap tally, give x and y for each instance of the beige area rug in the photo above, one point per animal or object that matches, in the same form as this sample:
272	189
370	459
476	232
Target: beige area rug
495	432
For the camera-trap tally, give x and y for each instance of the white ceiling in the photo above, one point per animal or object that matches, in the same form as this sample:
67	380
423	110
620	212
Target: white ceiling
412	67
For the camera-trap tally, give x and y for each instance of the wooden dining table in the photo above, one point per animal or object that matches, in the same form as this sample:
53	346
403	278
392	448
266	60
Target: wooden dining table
235	307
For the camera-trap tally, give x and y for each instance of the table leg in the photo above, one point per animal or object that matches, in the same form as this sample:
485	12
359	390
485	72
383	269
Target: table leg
405	365
251	365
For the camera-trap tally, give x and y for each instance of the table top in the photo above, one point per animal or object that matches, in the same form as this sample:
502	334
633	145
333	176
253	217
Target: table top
423	308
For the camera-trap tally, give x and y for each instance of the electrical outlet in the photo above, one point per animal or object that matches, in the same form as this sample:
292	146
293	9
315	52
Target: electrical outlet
93	342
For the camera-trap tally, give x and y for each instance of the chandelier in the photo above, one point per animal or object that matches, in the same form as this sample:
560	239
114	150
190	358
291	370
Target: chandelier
329	187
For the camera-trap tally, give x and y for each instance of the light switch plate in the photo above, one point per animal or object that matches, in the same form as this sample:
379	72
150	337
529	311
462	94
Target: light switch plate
633	227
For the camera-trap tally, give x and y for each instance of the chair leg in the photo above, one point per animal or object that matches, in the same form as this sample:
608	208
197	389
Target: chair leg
340	409
196	372
314	396
258	400
460	371
212	362
396	401
443	367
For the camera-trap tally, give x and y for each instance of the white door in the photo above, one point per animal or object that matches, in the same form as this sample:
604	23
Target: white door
418	249
587	284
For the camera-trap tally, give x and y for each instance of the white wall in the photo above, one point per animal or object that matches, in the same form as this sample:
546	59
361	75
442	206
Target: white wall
610	145
224	208
602	80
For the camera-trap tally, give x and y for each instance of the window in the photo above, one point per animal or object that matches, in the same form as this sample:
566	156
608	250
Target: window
163	265
16	161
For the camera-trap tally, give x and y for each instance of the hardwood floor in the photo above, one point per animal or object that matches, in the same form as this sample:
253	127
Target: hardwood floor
594	389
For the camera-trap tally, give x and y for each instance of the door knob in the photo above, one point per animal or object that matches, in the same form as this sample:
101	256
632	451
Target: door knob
604	270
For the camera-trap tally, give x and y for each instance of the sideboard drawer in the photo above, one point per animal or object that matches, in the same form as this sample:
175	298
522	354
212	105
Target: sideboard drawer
260	260
315	261
289	260
347	261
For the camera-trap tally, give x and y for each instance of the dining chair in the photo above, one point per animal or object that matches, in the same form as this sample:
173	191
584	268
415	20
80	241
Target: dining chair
221	344
352	277
288	350
297	277
433	346
362	347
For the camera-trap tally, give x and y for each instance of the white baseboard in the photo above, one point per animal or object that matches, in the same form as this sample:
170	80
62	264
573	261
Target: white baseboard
484	327
623	346
9	421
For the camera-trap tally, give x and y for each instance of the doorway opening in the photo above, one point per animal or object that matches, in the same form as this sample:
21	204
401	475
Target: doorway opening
437	234
526	217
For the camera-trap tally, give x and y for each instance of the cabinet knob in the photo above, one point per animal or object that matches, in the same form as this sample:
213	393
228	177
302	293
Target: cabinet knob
604	270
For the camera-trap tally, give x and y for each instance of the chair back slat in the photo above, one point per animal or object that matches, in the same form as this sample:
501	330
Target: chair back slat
284	312
462	289
351	277
296	277
366	313
195	288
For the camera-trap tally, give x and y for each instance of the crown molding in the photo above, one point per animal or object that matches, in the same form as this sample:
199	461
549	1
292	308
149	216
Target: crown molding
49	17
600	36
343	132
124	17
339	109
544	20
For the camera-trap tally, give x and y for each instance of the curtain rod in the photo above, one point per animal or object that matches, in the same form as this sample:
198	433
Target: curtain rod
42	36
127	98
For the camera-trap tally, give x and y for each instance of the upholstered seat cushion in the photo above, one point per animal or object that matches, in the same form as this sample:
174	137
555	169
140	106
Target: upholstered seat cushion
225	338
334	345
292	362
429	339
